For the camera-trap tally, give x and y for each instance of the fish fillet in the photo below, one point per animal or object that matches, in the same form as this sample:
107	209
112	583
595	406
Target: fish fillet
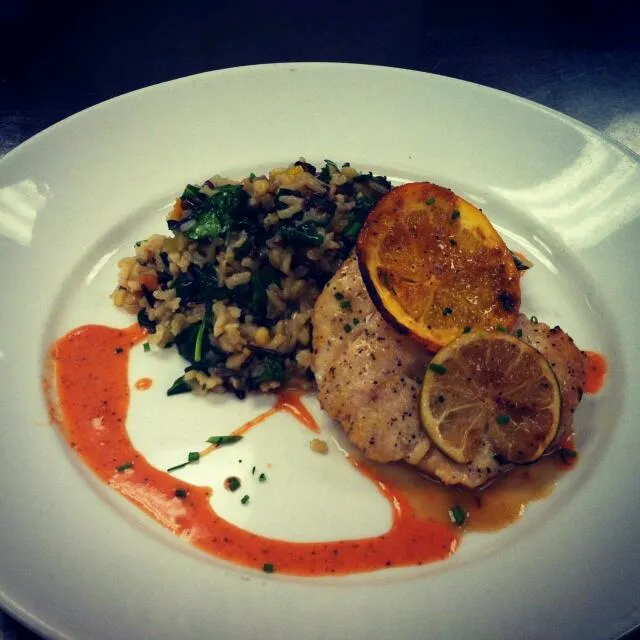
369	379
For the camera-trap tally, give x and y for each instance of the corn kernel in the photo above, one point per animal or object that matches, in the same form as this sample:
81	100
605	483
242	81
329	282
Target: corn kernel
261	336
260	187
350	172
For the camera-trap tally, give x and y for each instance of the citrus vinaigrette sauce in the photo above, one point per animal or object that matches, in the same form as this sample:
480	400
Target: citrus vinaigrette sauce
88	395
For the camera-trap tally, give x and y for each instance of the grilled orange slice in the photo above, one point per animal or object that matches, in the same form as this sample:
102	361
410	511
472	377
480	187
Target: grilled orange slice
433	265
488	386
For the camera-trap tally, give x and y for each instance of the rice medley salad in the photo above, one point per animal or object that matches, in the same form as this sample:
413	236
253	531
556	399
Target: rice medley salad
234	285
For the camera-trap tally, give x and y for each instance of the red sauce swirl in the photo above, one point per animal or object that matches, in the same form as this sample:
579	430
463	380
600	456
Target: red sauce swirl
89	398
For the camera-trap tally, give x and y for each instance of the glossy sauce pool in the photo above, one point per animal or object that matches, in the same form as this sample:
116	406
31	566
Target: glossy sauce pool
89	398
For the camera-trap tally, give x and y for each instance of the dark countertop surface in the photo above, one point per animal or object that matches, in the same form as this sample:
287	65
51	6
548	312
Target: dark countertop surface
58	59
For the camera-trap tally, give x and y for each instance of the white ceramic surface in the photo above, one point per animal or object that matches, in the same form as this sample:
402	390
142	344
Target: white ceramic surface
78	561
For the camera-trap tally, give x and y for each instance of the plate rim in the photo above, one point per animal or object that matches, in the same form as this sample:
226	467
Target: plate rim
33	621
320	64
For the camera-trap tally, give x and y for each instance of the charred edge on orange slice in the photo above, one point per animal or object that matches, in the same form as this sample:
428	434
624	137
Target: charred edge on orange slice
375	297
430	190
361	254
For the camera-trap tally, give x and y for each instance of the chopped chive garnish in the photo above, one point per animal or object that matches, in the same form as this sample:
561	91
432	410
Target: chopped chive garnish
356	322
146	347
268	567
455	215
567	454
124	467
447	311
466	330
502	419
245	499
262	477
501	329
193	456
338	296
253	471
181	493
437	368
345	304
252	176
232	483
220	441
519	333
457	515
534	319
347	328
430	201
176	467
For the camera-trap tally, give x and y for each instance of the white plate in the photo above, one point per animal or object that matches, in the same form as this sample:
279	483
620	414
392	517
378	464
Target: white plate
78	561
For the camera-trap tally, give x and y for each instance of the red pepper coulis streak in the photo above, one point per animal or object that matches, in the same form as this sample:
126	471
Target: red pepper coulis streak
288	401
90	376
596	371
143	384
88	394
